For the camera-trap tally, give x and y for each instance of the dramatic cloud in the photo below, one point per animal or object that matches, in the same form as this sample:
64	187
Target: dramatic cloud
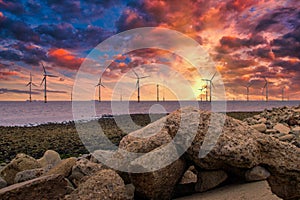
247	40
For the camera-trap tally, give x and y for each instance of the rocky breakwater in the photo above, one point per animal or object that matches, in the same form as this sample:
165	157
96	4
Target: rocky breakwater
281	123
239	154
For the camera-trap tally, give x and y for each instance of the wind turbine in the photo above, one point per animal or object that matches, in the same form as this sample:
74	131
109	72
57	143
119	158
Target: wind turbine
157	92
248	86
45	82
209	82
30	83
267	89
282	93
204	87
138	82
99	85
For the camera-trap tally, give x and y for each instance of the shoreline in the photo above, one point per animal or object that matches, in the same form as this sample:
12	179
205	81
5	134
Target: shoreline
64	139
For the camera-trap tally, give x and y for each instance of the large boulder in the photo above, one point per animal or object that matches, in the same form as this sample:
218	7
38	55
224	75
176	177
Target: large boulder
229	144
45	187
105	184
20	163
158	181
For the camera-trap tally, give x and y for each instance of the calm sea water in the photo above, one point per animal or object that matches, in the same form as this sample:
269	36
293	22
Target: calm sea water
29	114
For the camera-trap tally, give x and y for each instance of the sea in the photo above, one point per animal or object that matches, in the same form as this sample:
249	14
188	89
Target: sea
17	113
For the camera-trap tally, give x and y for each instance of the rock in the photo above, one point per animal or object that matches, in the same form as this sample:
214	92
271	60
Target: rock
20	163
254	191
29	174
157	181
257	173
209	179
130	189
263	120
45	187
271	131
296	131
260	127
105	184
82	168
50	159
188	177
3	183
64	168
288	137
229	145
158	184
282	128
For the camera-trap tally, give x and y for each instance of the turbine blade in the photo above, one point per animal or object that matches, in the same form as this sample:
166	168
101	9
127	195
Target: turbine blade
44	68
51	75
102	85
144	77
43	80
213	76
28	84
34	84
135	73
213	85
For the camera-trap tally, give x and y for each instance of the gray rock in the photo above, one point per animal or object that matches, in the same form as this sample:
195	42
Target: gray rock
257	173
130	189
50	159
3	183
29	175
45	187
209	179
260	127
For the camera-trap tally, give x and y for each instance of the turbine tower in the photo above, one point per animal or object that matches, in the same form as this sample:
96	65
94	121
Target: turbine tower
138	83
248	86
282	94
210	84
157	92
99	85
45	82
266	86
30	83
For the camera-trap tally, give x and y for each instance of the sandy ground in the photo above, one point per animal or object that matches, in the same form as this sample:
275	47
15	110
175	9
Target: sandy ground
247	191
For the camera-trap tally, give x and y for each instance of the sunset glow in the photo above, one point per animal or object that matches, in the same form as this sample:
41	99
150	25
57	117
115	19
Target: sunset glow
248	40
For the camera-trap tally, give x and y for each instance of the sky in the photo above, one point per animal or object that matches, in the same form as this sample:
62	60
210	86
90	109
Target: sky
249	41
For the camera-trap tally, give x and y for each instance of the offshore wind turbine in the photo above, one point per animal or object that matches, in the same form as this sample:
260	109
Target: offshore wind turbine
209	82
248	86
45	82
99	85
201	89
282	94
266	86
138	82
157	92
30	83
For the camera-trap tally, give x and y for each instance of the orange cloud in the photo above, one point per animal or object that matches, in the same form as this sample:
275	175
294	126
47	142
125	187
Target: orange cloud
65	58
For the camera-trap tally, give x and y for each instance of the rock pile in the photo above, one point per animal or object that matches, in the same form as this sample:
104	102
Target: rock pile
282	123
240	154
